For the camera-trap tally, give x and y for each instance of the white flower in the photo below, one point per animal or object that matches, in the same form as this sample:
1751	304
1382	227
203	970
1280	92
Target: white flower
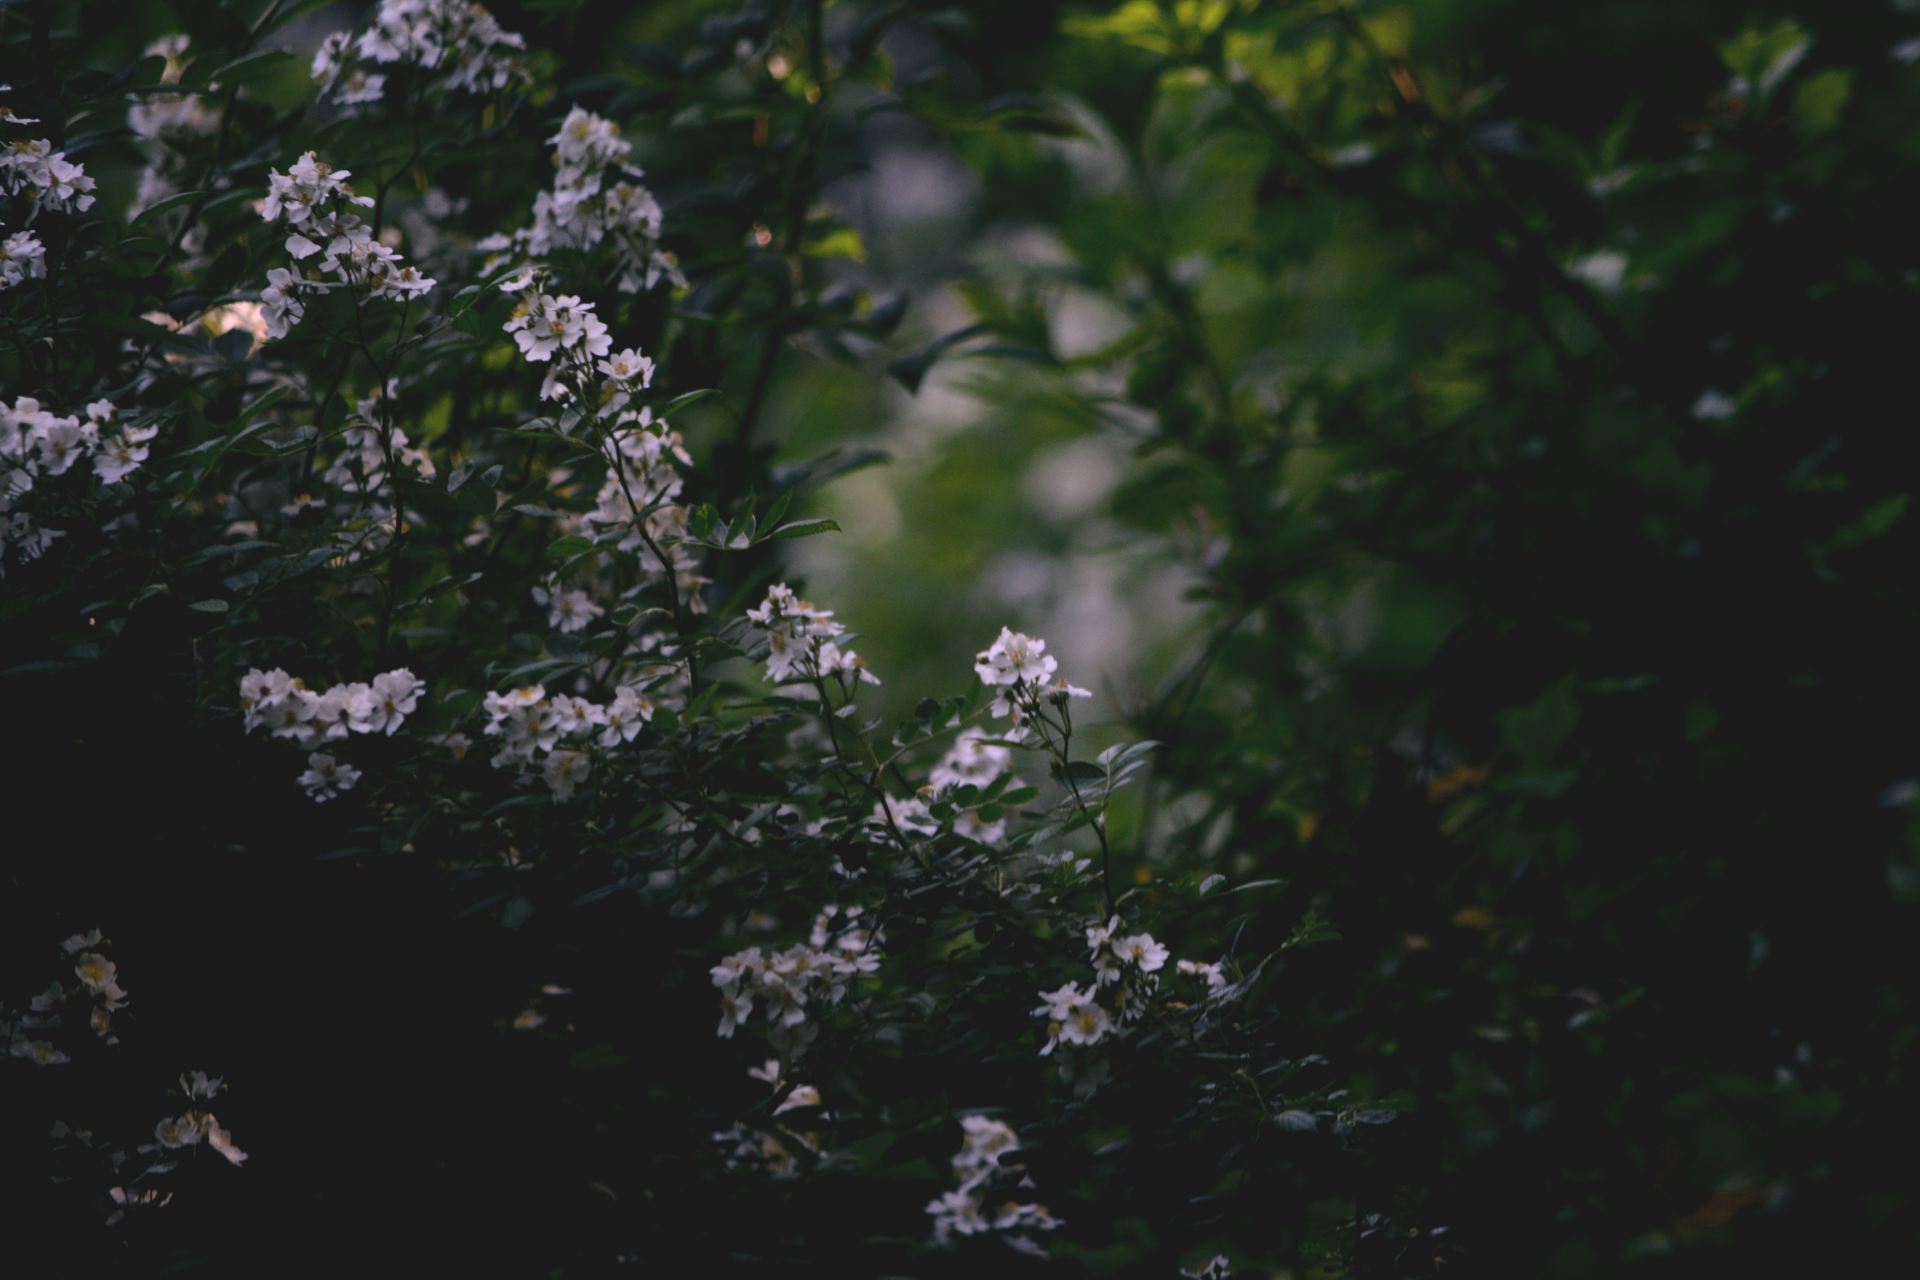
628	366
1023	1217
22	257
956	1211
333	714
188	1130
568	611
832	660
1215	1268
791	1041
1014	658
1213	974
387	278
82	941
970	824
39	1052
63	442
120	456
587	141
222	1141
738	967
330	57
1086	1024
979	1156
260	690
1073	1017
628	711
566	770
95	970
360	86
734	1008
971	761
326	777
1141	951
281	302
393	697
200	1086
1058	1004
571	714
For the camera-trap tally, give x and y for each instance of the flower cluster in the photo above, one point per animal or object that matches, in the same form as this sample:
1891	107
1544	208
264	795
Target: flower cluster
196	1125
458	39
317	205
287	708
22	257
801	642
161	121
97	980
910	816
636	501
974	761
980	1168
1126	972
530	725
96	987
766	1150
562	332
1214	975
360	468
786	983
595	199
49	180
1020	667
36	443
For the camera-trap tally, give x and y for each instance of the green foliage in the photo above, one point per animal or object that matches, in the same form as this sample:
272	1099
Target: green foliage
1471	423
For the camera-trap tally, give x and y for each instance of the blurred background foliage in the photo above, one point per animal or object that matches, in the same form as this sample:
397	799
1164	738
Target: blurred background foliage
1464	433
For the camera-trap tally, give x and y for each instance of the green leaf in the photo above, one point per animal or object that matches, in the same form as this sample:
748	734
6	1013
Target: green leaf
1536	731
688	399
1761	57
802	529
177	200
243	70
841	242
911	370
777	512
1819	100
600	1057
1080	771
